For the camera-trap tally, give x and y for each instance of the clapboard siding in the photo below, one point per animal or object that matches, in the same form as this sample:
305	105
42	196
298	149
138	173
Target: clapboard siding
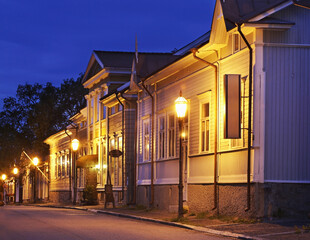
235	64
299	32
287	131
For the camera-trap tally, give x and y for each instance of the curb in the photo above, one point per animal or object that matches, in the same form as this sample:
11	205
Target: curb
174	224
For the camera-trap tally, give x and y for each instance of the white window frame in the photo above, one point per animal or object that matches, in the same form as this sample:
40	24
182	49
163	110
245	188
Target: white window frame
146	140
204	120
171	141
162	137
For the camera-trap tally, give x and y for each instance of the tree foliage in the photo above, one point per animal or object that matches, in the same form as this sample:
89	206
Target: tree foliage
37	112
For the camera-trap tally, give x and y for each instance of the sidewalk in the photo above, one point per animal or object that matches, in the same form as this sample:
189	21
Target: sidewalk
223	226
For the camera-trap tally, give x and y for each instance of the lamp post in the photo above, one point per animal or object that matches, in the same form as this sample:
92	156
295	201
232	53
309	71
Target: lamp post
3	177
35	162
181	108
75	146
15	172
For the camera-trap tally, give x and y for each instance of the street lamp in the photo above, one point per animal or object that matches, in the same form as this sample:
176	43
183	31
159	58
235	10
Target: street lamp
75	146
3	177
35	162
15	172
181	108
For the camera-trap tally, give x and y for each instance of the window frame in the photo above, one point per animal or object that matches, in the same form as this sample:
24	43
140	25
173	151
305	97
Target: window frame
171	146
146	138
162	146
204	140
239	142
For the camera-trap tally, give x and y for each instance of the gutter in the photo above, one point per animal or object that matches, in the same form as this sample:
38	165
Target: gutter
194	51
123	112
152	147
249	118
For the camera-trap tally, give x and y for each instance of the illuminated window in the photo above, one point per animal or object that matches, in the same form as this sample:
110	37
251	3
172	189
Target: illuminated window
146	140
56	167
171	135
236	42
63	165
91	112
161	137
59	166
205	108
239	142
68	164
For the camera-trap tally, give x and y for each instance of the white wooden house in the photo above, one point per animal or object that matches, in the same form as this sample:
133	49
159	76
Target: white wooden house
265	171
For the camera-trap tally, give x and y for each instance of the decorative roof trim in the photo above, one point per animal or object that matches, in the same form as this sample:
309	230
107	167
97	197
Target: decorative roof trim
271	11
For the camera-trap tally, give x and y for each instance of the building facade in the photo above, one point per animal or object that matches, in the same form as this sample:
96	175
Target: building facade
262	170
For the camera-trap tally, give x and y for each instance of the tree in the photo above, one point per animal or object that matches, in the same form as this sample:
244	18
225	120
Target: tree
37	112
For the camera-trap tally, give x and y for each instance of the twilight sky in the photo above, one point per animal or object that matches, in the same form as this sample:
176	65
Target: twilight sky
43	40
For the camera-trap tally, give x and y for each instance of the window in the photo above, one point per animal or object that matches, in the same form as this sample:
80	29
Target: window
171	135
91	111
146	140
56	167
68	164
161	137
236	42
205	127
103	111
239	142
63	165
59	166
98	107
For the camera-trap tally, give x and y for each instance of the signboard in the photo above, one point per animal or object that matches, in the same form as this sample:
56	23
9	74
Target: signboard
115	153
232	86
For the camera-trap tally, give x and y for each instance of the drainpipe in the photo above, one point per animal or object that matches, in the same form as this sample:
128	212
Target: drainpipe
152	149
194	51
133	197
123	156
249	118
108	148
70	184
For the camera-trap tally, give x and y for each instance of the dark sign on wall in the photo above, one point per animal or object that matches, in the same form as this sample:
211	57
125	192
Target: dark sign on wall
232	87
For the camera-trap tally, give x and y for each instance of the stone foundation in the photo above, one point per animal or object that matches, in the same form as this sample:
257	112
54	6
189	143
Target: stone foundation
60	197
267	200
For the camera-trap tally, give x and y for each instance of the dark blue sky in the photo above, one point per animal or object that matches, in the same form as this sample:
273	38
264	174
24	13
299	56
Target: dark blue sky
43	41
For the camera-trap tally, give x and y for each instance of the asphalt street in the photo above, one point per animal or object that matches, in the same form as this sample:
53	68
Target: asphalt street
35	223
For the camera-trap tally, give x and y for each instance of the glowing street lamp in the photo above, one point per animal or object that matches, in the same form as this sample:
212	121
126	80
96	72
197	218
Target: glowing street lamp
15	170
3	177
181	108
75	144
35	161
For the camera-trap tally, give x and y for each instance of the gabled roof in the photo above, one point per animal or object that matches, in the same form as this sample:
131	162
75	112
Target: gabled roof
114	59
148	63
203	39
107	59
241	11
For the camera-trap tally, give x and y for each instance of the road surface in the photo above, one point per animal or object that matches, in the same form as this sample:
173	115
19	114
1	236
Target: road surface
37	223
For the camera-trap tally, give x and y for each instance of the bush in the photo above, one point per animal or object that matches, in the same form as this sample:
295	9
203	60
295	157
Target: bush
90	194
